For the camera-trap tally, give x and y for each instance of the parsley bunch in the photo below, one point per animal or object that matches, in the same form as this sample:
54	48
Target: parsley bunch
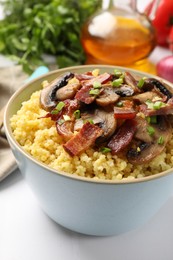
32	28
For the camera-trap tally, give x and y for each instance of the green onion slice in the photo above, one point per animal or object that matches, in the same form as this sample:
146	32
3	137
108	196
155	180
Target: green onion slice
88	120
60	106
117	82
77	114
160	140
119	104
54	112
149	104
61	121
105	150
158	104
94	92
151	119
97	84
66	118
150	130
117	73
141	83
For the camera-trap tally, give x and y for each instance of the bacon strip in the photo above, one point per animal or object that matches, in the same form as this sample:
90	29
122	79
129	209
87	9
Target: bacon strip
120	113
123	137
83	140
82	77
103	78
125	112
65	128
84	96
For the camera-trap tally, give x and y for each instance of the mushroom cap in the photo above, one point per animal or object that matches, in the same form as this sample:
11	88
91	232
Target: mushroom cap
146	150
48	96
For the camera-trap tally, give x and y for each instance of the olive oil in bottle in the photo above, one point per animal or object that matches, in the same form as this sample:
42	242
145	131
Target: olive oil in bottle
119	35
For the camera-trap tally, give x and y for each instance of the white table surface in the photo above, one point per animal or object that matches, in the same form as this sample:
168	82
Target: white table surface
27	233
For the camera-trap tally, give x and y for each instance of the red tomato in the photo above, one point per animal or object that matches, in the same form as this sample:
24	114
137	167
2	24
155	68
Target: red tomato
163	20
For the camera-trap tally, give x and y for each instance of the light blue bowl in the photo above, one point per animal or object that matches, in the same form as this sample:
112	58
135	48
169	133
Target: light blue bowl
93	207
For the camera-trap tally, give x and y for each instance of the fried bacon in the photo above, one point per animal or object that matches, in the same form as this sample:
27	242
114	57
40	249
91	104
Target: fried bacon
103	78
125	112
83	140
121	113
123	137
84	96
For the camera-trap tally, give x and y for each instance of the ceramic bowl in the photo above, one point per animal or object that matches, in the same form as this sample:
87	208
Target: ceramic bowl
93	207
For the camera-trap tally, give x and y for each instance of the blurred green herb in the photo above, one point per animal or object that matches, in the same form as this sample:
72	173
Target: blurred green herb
32	28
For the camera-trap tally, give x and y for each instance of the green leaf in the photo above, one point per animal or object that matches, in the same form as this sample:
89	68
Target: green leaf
19	45
32	28
2	46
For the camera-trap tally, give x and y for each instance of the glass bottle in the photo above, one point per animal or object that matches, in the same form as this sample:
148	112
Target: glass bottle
119	35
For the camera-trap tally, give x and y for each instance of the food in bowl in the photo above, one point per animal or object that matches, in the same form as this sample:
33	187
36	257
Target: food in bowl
99	125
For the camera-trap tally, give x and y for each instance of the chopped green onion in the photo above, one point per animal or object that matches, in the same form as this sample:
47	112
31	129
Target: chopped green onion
141	83
97	84
94	92
105	149
117	73
89	120
149	104
60	106
61	121
160	140
77	114
154	105
119	104
151	119
158	104
54	112
122	75
117	82
148	118
150	130
66	118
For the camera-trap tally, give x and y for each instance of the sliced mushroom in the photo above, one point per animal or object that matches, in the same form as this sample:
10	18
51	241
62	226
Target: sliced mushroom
48	96
68	92
150	83
108	124
107	97
164	109
141	130
149	95
143	152
131	81
124	91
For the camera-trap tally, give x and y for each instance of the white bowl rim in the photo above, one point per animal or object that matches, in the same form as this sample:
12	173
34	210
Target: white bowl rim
69	175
